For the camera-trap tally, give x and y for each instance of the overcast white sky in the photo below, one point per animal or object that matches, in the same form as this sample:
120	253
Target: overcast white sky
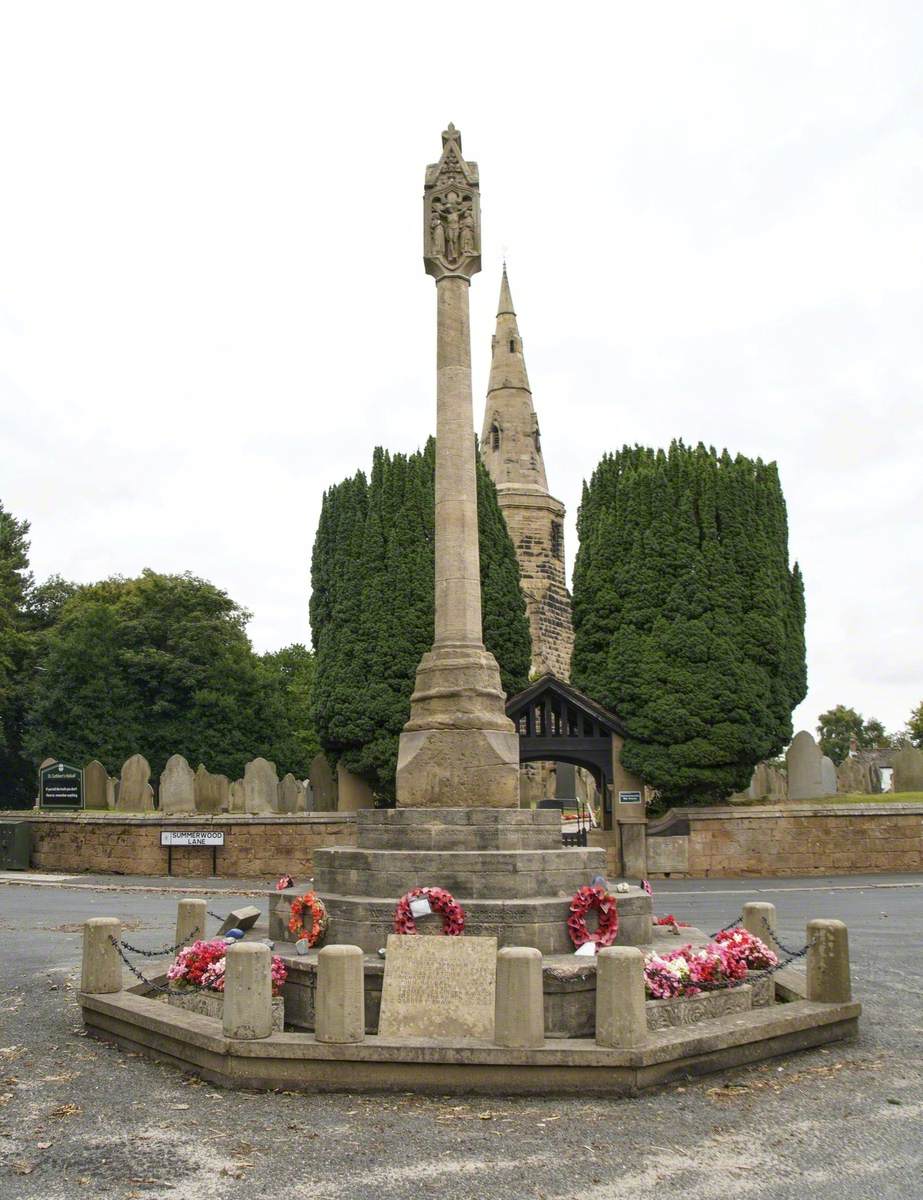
213	304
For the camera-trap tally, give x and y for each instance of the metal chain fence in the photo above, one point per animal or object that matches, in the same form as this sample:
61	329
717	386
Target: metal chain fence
162	951
154	987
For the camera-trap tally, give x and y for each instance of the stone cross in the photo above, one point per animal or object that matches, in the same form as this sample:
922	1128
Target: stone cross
458	748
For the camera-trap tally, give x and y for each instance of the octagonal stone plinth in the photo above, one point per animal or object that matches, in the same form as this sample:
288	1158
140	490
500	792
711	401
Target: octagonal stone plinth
506	867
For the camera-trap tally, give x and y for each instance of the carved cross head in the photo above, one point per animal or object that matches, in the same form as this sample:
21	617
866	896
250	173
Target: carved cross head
452	213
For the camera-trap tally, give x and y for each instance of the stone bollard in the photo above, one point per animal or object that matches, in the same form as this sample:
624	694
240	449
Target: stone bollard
520	1004
101	971
339	1006
248	991
190	923
760	920
828	962
621	1019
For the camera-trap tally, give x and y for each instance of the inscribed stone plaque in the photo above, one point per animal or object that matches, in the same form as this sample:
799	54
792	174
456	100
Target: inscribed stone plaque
439	987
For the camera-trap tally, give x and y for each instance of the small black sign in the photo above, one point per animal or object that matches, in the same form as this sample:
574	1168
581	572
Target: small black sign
61	786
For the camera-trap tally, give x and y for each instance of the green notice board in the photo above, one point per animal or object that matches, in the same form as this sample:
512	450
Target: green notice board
61	786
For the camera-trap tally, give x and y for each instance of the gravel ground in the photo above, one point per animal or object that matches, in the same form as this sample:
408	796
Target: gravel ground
81	1119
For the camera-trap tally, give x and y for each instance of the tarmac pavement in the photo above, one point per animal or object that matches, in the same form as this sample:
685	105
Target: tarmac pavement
82	1119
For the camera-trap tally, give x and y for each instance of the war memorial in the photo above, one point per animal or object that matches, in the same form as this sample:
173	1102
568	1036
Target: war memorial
458	946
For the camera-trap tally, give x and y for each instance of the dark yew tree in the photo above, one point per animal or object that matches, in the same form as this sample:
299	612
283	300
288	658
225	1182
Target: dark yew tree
372	576
688	620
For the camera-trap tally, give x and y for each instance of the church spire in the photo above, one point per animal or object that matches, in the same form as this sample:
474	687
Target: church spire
511	450
510	445
508	367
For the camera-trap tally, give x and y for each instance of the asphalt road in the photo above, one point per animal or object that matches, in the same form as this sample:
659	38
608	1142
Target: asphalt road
81	1119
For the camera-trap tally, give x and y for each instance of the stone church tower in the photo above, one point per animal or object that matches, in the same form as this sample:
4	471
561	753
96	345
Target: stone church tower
512	452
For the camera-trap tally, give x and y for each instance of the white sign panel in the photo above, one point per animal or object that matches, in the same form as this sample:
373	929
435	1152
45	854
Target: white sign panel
191	837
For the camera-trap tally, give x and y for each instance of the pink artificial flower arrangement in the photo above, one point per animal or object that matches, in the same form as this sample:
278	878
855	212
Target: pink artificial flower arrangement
687	972
285	882
203	965
754	952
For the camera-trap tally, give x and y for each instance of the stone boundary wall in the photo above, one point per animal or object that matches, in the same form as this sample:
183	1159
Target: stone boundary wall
128	844
809	839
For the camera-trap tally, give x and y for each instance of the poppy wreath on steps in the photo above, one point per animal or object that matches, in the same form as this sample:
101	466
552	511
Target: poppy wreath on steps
311	903
584	901
440	901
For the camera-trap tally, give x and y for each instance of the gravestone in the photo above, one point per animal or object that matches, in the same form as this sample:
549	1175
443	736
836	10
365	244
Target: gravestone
111	785
908	770
805	781
135	793
95	786
353	793
212	792
291	795
828	775
853	776
323	784
177	786
308	795
237	797
439	987
261	786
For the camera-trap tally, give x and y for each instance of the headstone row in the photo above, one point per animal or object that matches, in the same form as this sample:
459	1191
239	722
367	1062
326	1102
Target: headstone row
184	791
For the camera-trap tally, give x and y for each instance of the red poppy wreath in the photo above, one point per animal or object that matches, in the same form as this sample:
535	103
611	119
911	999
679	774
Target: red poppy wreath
586	899
440	901
311	903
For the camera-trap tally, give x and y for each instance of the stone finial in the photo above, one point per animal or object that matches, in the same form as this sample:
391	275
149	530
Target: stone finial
452	213
177	786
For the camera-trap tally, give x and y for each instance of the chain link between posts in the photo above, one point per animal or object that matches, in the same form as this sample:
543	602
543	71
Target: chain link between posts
148	983
162	951
738	920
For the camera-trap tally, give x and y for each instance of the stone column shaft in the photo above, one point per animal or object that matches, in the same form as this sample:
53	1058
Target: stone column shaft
459	748
458	576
